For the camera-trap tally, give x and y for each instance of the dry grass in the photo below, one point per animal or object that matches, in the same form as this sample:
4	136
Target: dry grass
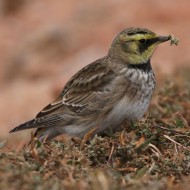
153	153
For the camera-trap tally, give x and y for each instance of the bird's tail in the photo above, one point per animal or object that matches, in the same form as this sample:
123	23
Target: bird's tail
27	125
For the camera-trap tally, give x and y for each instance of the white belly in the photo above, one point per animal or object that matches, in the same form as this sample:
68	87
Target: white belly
131	108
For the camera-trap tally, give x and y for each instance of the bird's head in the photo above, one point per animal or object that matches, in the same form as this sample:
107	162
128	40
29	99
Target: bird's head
136	45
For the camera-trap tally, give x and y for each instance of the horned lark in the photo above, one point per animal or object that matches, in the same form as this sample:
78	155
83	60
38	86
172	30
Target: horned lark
105	93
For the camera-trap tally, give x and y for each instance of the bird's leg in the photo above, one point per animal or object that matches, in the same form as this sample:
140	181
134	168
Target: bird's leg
76	140
108	132
87	136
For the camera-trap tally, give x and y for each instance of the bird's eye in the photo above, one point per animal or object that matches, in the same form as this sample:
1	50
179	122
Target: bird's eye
142	41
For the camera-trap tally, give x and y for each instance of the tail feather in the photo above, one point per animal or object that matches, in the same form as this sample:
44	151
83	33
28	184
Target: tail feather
49	121
28	125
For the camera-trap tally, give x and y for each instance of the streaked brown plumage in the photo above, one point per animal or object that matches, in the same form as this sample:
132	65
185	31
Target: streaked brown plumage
105	93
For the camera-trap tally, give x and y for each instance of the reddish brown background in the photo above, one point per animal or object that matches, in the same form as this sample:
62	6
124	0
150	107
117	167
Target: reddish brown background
44	42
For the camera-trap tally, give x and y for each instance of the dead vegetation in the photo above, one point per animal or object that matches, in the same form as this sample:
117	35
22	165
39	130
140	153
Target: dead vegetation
153	153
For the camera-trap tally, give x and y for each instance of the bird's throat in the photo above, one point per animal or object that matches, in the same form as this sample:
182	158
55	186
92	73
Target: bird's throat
146	67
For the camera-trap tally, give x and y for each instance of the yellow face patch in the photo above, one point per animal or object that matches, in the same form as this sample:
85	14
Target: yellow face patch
136	45
139	47
137	37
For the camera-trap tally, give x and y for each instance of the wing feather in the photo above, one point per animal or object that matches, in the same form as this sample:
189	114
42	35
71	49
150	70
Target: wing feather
81	89
84	94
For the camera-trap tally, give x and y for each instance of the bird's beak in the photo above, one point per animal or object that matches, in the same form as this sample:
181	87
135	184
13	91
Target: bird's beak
161	39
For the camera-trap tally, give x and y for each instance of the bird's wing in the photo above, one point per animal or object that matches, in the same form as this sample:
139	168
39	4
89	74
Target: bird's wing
85	93
82	88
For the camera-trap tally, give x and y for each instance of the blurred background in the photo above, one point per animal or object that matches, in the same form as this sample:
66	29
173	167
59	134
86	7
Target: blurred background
44	42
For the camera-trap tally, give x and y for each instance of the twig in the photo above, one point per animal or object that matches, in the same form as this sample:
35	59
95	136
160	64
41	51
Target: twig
169	138
112	149
156	149
170	130
151	168
145	144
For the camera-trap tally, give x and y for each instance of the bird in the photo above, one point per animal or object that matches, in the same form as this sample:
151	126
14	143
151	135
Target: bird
109	91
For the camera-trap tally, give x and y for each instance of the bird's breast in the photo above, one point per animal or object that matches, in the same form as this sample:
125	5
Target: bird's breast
138	91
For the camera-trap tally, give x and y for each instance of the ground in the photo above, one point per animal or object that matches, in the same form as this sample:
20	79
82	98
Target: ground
153	153
43	43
